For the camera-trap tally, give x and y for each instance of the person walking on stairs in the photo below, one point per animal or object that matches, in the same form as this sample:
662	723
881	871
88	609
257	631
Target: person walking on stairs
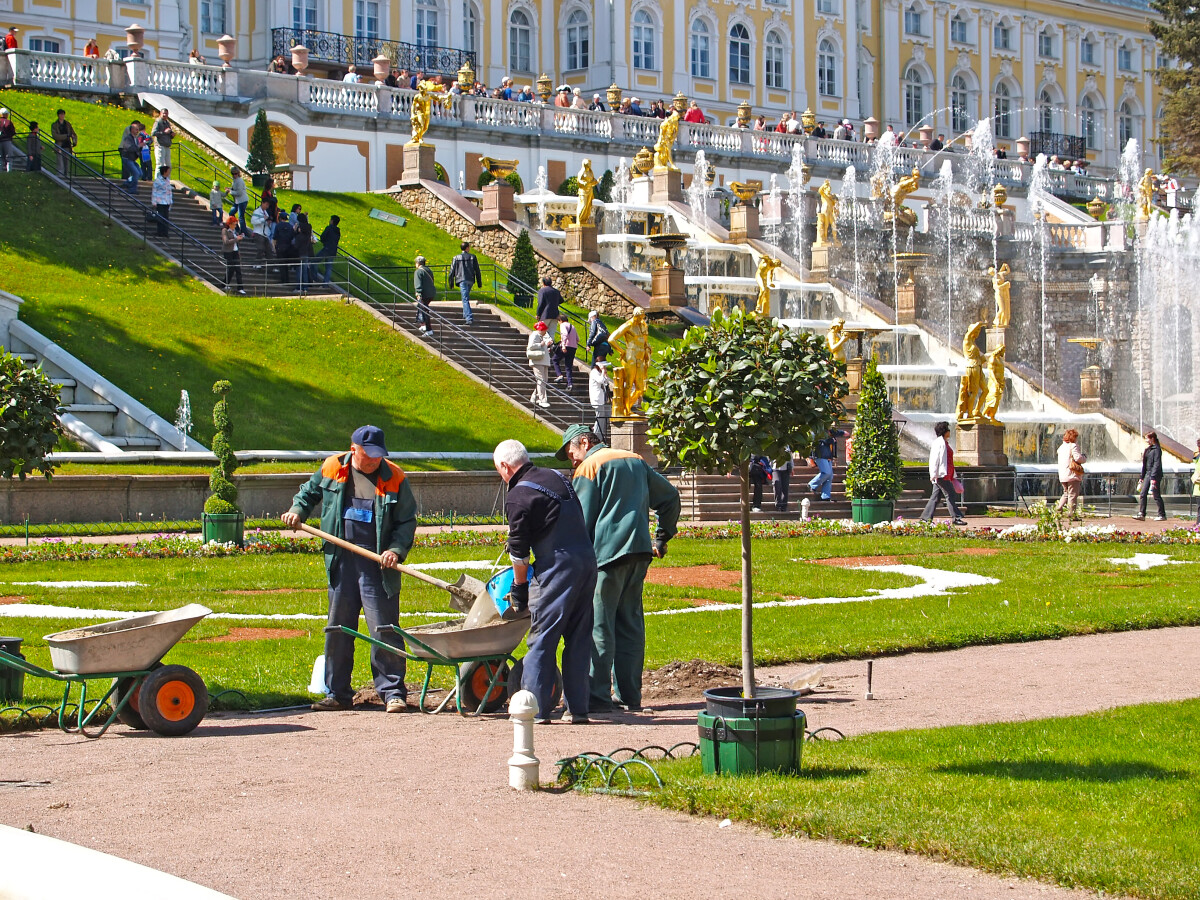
568	346
426	291
65	139
230	238
161	197
537	352
465	274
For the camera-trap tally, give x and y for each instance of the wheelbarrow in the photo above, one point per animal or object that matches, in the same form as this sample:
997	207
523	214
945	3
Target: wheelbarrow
143	693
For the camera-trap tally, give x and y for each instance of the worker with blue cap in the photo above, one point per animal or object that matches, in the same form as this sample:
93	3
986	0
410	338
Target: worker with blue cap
365	499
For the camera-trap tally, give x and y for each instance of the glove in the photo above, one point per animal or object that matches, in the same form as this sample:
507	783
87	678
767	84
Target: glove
660	549
518	597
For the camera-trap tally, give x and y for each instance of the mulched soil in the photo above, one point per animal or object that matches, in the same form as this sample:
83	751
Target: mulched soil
253	634
694	576
14	598
687	680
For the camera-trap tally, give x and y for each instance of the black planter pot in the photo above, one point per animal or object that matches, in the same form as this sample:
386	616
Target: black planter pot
766	703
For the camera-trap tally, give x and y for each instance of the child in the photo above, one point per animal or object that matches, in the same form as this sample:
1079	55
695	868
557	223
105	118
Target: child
33	148
216	203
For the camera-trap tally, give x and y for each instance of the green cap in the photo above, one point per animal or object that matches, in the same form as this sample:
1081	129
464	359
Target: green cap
569	435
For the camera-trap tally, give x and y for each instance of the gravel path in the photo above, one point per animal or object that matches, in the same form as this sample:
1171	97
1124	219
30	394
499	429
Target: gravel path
363	805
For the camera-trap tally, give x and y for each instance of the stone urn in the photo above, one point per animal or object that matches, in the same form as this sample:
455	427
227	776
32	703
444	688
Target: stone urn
926	133
300	59
643	161
870	128
226	48
1023	147
614	97
382	65
135	36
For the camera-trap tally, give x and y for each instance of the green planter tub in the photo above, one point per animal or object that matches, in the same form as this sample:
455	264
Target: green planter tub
224	528
872	512
741	737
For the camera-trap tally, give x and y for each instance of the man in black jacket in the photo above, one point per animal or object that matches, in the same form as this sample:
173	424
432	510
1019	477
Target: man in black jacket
549	300
464	272
1152	473
63	134
330	238
426	291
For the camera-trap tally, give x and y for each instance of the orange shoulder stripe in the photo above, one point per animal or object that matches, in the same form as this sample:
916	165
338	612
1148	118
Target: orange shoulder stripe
394	480
589	467
333	468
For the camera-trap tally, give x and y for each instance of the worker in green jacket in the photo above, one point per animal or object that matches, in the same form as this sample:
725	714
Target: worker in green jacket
617	490
364	499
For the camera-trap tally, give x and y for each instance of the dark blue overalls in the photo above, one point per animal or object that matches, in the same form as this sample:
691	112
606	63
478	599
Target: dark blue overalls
560	603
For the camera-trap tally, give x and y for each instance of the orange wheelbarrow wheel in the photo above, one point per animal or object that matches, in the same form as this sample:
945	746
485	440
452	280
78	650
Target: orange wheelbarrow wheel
474	683
172	700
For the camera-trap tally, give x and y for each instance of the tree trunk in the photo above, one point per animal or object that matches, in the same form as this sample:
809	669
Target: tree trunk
747	590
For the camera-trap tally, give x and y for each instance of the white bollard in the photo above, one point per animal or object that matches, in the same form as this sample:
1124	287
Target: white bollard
804	506
524	772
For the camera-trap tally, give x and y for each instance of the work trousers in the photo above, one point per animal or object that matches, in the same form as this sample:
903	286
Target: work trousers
943	487
465	290
1070	497
619	633
782	482
559	616
1151	488
822	482
356	584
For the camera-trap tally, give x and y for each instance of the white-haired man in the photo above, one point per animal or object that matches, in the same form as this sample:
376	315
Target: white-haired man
545	523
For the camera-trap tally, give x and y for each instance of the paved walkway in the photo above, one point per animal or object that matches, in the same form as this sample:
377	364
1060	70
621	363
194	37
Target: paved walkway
364	805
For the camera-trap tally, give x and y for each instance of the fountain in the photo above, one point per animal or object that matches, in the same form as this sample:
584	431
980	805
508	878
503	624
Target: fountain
183	417
542	190
797	174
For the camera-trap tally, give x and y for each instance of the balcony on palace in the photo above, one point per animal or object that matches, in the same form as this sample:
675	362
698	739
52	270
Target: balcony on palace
327	48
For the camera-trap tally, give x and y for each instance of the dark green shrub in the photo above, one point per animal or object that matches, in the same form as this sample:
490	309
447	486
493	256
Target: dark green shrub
875	471
224	492
29	426
261	158
524	271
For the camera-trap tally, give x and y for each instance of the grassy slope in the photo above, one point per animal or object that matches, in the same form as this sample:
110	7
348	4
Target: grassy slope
1106	802
305	373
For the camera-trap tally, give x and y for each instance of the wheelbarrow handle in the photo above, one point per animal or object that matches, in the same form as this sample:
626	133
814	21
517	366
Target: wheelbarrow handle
362	551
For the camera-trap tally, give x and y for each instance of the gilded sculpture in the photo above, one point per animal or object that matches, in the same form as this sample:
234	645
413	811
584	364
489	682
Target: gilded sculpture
428	93
837	338
629	379
1145	199
827	216
587	192
668	131
900	192
1002	288
970	386
993	367
765	276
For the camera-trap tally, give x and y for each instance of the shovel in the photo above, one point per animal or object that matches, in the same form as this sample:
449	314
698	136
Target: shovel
463	592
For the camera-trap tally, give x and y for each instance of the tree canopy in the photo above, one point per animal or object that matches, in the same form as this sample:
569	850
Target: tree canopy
29	426
1178	36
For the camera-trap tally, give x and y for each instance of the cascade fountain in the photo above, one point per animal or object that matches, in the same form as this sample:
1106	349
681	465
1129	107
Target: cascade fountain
1038	195
796	189
848	201
697	198
622	191
540	183
183	417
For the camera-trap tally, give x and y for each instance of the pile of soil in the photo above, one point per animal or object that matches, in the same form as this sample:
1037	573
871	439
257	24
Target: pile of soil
694	576
687	680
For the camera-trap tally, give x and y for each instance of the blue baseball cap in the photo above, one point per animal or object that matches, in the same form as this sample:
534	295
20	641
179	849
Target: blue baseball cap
370	439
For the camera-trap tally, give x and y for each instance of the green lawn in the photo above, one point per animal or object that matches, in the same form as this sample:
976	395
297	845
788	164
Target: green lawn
305	373
1109	802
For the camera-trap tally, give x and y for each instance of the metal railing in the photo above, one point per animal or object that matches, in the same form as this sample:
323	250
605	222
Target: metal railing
346	49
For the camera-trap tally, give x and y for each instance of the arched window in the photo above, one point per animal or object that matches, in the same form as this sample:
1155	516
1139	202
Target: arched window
701	51
739	54
1002	120
914	98
1125	132
827	82
774	56
520	41
912	20
959	98
427	22
578	40
1087	122
958	29
643	40
471	32
1045	112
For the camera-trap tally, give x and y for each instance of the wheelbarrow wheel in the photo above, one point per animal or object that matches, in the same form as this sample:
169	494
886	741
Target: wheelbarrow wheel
473	683
173	700
514	684
129	714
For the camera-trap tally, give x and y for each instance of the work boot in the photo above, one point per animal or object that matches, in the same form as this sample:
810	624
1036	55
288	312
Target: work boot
572	719
329	704
397	705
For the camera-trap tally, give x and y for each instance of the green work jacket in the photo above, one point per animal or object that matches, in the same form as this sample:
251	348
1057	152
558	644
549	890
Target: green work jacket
395	510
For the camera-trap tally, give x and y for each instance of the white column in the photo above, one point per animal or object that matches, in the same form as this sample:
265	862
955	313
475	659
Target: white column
493	32
1112	153
892	112
803	71
1071	69
1029	79
941	38
985	66
548	60
853	108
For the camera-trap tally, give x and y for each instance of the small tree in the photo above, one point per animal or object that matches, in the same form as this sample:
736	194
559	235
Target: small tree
605	188
261	158
1178	36
224	492
741	387
569	188
29	426
875	471
524	271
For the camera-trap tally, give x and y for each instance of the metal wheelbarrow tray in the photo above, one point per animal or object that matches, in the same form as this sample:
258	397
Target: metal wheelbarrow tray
127	644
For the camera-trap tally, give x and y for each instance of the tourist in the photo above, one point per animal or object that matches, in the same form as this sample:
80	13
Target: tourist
782	480
941	476
268	196
415	80
465	274
562	96
195	59
1196	480
366	500
626	105
10	39
617	489
578	102
163	134
161	197
65	139
526	95
393	78
546	522
568	346
278	65
351	76
304	247
635	107
92	50
145	143
240	197
455	89
694	114
600	396
597	339
938	143
781	125
1152	473
839	133
261	225
216	203
760	124
537	354
597	105
506	89
1070	472
760	474
824	456
230	238
659	109
33	149
284	238
548	301
294	214
794	126
426	292
330	238
128	149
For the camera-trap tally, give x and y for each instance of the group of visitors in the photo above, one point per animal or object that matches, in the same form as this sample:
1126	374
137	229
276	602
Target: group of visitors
62	134
778	473
543	351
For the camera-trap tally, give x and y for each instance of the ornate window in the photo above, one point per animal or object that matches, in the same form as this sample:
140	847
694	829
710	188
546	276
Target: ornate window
960	97
700	50
578	40
212	16
1087	122
1045	112
1125	132
914	98
774	56
912	20
366	20
520	41
1125	59
643	40
304	15
1087	52
739	54
1002	36
827	84
470	28
45	45
1046	44
1002	117
958	30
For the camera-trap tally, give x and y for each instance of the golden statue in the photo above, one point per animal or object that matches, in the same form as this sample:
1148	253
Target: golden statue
827	216
587	192
766	280
1145	199
900	192
837	338
970	386
664	160
1002	288
629	379
422	109
994	371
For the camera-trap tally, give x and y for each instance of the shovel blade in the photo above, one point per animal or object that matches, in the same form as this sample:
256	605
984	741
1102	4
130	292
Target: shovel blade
464	592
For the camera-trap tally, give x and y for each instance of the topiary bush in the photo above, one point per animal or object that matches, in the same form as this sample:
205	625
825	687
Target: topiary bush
224	492
29	427
524	271
875	471
569	188
604	189
261	156
486	178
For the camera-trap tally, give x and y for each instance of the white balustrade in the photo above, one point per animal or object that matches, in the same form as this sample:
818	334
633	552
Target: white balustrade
508	114
340	96
640	129
61	71
184	78
583	122
838	153
715	137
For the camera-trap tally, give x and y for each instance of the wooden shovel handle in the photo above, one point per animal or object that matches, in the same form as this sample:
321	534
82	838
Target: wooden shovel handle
362	551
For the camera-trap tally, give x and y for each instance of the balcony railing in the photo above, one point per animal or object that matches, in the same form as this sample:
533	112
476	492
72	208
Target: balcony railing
344	49
1064	146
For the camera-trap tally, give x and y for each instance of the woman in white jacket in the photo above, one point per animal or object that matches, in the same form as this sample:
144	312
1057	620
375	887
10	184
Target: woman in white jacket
941	475
537	352
1070	472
